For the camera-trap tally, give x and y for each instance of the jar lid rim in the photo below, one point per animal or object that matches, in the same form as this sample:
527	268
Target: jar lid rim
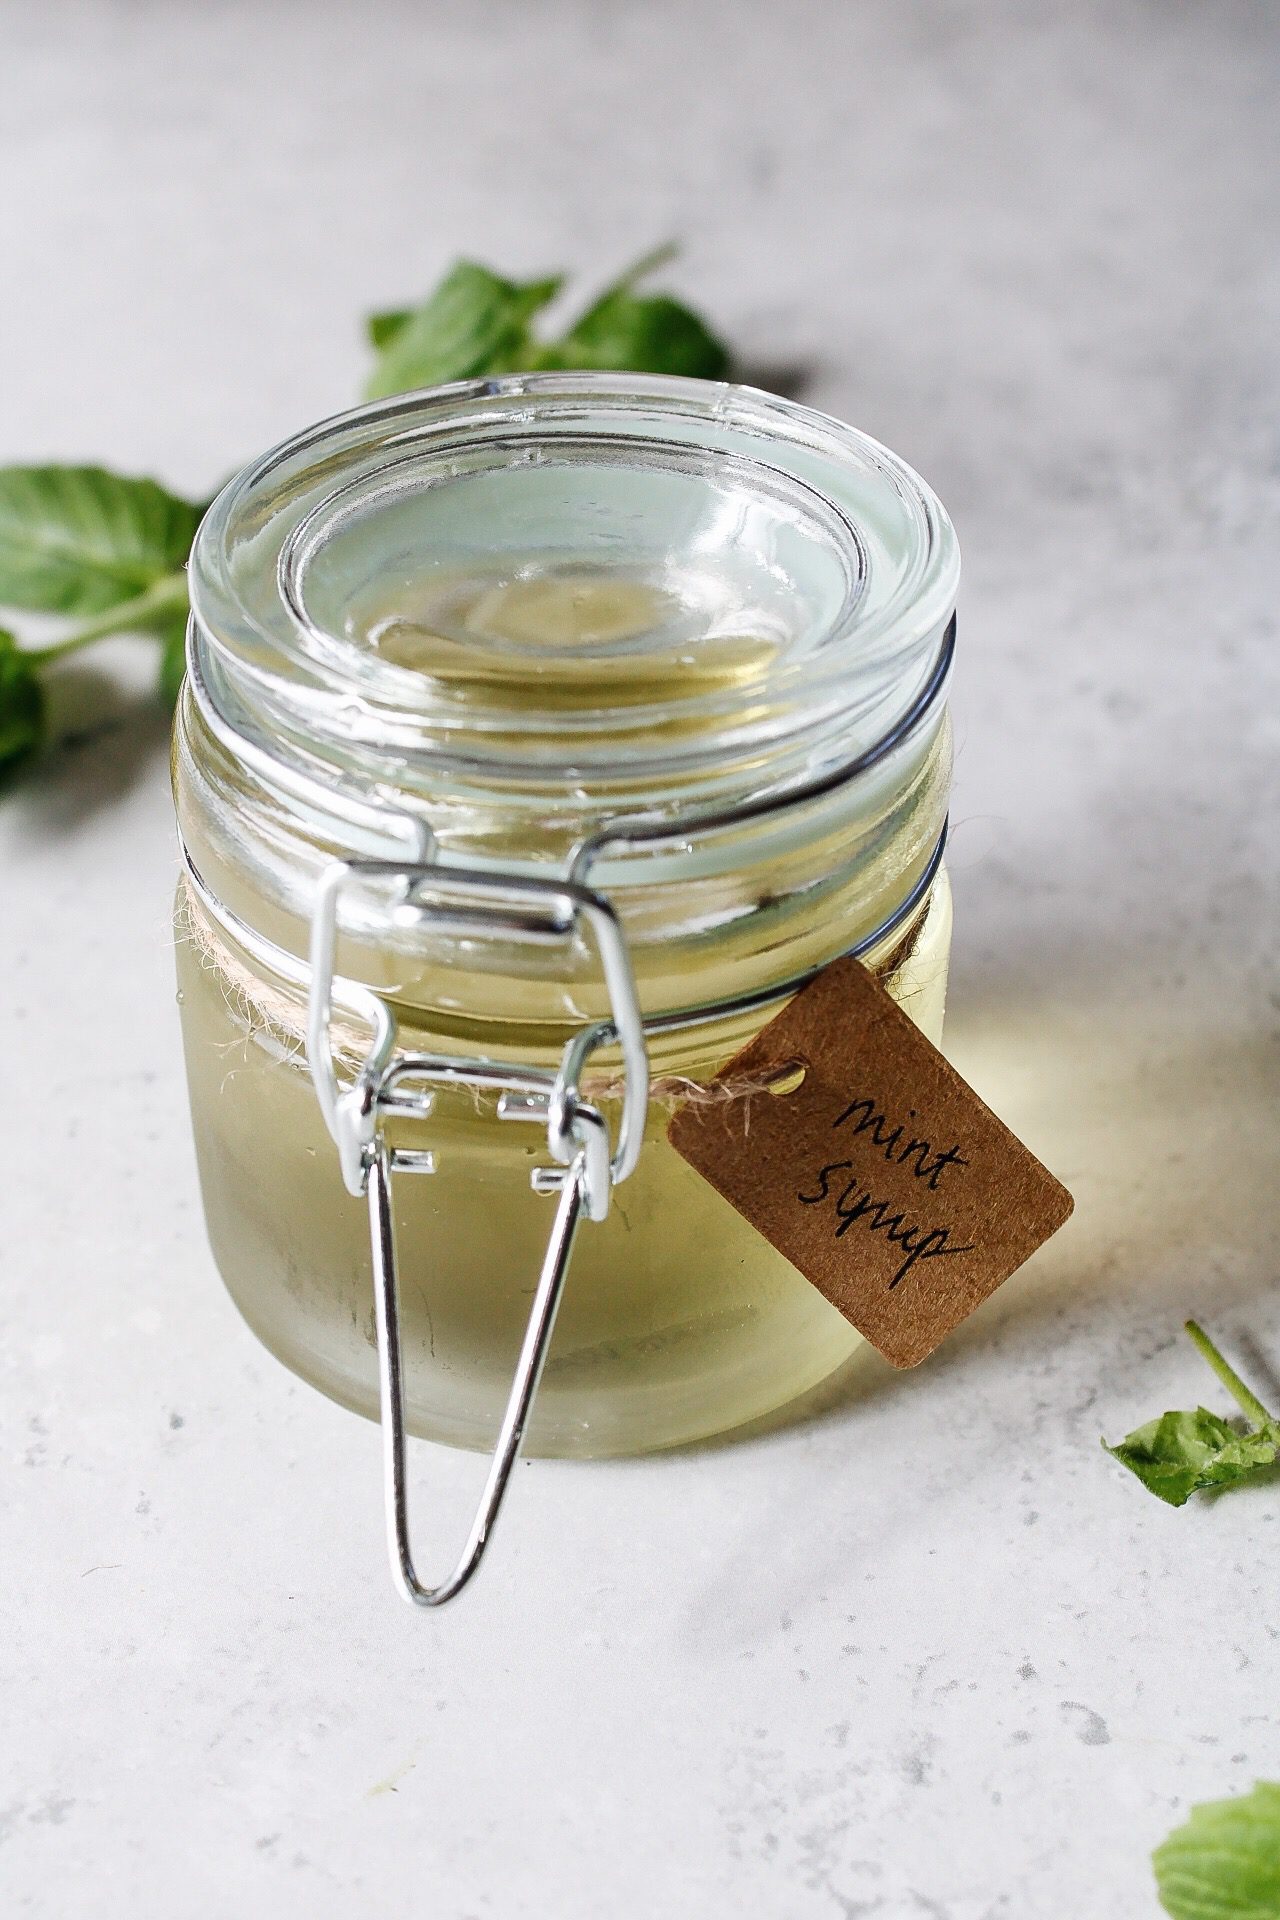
303	687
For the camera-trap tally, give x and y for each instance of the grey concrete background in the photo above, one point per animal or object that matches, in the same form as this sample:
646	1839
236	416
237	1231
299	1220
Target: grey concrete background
922	1650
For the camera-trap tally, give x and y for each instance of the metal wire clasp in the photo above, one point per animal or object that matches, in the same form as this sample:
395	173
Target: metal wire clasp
471	902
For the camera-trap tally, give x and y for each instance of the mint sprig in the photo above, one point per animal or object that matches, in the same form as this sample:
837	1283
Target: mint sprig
1224	1862
475	322
84	541
110	551
1179	1454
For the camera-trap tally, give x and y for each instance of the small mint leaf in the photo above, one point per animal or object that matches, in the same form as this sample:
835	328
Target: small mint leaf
173	659
1224	1862
23	714
474	323
382	328
81	540
629	333
1179	1454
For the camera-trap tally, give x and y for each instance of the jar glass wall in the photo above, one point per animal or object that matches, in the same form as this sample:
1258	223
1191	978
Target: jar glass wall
523	611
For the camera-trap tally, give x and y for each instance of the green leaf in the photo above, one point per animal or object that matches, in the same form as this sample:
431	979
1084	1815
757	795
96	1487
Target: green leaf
478	323
81	540
474	323
23	718
1183	1453
629	333
382	328
1179	1454
173	660
1224	1863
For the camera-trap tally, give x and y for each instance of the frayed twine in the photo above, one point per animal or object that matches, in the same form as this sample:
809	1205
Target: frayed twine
266	1012
277	1017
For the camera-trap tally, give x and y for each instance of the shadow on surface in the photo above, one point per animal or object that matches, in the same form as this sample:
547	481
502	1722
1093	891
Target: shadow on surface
1162	1124
789	382
106	738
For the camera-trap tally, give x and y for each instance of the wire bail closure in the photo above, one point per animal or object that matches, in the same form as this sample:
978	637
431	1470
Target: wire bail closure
475	902
469	902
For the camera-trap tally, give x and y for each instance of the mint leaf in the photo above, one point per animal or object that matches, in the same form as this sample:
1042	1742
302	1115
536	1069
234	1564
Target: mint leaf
632	334
623	331
478	323
173	660
1224	1863
81	540
382	328
475	322
1179	1454
23	718
1183	1453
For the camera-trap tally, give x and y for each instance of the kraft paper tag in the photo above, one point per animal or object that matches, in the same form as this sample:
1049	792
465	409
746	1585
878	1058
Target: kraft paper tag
882	1176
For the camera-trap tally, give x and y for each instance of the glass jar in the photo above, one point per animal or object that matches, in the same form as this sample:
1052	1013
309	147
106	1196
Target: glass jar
682	644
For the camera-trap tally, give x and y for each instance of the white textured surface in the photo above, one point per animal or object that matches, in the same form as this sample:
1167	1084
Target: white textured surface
923	1651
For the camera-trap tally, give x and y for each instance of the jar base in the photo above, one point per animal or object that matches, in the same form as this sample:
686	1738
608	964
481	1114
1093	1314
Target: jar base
618	1431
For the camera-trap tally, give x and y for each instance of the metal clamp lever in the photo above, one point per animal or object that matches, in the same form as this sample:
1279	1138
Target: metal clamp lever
524	1385
463	900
